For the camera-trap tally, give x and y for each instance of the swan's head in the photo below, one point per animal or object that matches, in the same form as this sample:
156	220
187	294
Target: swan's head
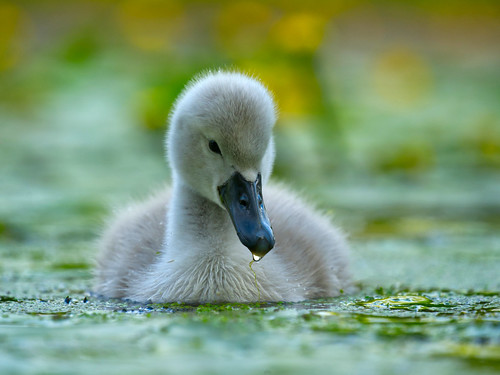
220	145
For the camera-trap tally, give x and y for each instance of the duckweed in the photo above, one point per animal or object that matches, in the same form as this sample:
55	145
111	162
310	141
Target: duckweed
396	302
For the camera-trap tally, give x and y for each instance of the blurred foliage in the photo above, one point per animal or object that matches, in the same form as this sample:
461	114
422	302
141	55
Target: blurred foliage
373	87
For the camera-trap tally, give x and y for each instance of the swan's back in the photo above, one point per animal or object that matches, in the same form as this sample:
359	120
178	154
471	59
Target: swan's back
314	253
130	244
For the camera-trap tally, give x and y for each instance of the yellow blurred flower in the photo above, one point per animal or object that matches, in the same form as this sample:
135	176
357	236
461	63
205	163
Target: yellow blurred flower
401	78
243	26
13	22
149	25
296	91
299	32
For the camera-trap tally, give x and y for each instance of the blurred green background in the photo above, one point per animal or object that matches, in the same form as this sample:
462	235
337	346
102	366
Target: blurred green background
367	91
389	120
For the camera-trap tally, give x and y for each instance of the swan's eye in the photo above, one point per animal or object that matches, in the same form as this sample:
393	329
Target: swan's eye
214	147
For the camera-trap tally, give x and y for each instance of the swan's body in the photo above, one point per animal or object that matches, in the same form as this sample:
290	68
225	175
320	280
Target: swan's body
182	246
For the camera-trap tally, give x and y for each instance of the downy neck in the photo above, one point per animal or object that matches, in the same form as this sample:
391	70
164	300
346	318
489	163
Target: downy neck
197	227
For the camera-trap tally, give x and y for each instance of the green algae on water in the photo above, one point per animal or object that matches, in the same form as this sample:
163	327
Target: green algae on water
400	301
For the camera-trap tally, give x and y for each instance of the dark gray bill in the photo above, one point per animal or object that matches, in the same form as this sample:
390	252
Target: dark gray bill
243	200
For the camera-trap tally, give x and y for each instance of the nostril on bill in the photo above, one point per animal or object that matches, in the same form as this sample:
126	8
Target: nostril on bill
244	201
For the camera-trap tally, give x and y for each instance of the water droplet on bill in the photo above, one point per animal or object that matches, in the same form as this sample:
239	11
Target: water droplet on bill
256	258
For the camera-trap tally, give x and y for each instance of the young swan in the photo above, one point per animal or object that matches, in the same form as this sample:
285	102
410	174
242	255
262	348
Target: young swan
191	242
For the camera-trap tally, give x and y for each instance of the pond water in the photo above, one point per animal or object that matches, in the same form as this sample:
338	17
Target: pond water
49	324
